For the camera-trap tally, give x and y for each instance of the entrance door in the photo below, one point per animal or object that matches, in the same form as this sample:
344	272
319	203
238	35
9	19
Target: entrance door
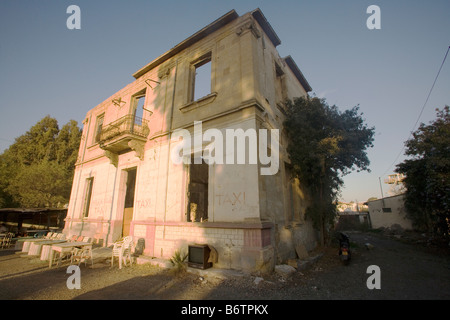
129	202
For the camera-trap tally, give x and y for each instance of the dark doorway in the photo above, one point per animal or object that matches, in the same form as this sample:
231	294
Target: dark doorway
129	201
198	191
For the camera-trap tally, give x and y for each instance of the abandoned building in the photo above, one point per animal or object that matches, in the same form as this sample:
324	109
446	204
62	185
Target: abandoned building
126	183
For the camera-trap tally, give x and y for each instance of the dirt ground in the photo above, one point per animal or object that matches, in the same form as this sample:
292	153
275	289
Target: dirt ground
408	271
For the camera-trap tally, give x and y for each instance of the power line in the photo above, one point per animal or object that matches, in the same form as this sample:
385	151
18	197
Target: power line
420	114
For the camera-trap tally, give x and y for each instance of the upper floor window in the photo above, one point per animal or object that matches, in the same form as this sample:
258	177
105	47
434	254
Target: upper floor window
98	127
87	196
138	107
201	82
280	85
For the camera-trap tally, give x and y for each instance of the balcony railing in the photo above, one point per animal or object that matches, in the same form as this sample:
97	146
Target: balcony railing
127	125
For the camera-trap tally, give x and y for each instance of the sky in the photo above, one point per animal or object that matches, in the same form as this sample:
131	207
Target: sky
48	69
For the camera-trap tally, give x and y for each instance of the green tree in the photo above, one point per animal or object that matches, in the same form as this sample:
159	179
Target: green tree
7	170
37	169
40	185
427	171
67	143
37	144
323	145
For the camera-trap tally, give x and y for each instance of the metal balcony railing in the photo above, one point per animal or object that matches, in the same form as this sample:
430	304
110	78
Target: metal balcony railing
127	125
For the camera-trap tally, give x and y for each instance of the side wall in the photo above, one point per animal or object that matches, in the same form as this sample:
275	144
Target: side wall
397	215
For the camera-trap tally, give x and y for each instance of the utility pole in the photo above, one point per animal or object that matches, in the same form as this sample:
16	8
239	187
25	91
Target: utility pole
381	188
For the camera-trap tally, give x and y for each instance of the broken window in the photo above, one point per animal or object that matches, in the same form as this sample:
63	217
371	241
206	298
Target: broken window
280	85
138	107
201	82
87	196
197	210
98	127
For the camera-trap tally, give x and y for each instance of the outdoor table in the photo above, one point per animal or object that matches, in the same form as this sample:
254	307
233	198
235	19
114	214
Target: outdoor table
27	243
20	241
45	251
36	246
66	248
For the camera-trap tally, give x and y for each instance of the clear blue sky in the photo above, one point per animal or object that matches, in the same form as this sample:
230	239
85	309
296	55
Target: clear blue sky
46	69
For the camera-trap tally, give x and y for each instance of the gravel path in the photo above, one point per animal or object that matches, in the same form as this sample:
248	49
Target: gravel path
407	272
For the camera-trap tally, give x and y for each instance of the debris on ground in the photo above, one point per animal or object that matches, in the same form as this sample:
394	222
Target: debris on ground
284	270
258	280
368	246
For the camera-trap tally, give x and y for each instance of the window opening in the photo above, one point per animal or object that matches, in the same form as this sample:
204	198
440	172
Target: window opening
87	196
139	103
202	79
197	210
98	127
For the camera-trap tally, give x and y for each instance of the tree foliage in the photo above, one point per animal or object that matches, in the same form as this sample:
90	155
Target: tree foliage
427	171
323	145
37	170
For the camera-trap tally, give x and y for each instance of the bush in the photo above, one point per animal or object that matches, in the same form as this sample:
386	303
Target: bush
178	261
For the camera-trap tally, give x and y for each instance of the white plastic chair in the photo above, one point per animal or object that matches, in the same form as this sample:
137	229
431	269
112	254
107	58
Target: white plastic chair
6	241
61	236
87	239
122	250
79	255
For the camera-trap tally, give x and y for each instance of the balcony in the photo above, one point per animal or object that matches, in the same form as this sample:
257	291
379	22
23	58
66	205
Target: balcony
124	134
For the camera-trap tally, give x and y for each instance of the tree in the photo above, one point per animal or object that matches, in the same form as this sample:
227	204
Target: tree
67	144
41	185
37	170
323	145
427	171
37	144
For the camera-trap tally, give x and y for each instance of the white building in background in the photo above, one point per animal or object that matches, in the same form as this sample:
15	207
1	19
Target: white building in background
389	211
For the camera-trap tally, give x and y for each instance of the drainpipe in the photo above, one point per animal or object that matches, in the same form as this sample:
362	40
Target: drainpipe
105	244
382	197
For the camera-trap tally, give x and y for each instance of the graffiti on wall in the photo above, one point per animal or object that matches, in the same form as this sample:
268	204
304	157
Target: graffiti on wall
232	198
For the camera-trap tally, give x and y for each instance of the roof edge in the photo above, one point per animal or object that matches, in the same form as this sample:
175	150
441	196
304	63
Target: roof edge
298	74
265	25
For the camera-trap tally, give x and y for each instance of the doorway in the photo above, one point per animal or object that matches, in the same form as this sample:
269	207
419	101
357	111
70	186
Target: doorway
129	201
197	210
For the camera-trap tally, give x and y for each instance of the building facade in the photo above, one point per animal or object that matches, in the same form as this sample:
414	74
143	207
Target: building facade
127	182
388	212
